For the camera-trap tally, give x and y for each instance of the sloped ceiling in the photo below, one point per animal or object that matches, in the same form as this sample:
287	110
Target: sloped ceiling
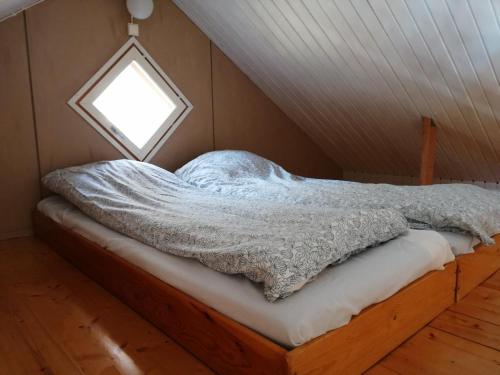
9	7
357	75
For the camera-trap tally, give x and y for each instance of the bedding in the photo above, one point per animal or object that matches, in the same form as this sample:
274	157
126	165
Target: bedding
460	243
273	243
444	207
325	304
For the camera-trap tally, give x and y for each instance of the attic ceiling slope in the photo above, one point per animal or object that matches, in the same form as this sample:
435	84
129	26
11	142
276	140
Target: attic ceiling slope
357	75
10	7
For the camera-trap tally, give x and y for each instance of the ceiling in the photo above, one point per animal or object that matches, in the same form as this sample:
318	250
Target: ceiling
9	7
357	75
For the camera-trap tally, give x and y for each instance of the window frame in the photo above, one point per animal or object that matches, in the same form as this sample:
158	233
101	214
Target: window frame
82	101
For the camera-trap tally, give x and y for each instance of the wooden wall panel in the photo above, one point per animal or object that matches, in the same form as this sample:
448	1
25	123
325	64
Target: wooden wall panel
19	189
411	180
245	119
68	41
71	39
184	52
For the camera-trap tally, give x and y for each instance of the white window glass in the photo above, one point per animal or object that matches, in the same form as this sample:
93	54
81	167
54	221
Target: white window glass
135	104
132	102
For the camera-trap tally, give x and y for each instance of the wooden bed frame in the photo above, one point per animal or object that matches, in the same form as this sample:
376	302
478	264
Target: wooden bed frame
474	268
227	346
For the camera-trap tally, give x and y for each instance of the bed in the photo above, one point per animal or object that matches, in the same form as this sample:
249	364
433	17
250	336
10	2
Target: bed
325	304
227	345
243	174
408	277
474	268
475	261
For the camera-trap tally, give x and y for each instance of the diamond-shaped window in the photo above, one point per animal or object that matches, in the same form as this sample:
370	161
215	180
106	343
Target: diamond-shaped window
132	102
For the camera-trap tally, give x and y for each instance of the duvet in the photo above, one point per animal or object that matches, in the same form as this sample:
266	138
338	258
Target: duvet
280	245
445	207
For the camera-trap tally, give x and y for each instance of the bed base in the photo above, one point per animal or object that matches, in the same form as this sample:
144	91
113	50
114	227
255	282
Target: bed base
474	268
228	347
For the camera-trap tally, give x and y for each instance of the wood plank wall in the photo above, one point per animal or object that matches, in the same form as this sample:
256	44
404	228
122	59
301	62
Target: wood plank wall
63	42
256	124
411	180
18	159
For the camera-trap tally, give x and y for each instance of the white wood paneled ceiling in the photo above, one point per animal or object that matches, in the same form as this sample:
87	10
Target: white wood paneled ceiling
357	75
11	7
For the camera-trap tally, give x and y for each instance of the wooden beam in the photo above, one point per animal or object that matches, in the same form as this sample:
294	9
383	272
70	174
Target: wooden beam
428	151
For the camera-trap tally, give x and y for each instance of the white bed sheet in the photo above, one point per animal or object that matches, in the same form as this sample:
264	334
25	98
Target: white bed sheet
327	303
461	243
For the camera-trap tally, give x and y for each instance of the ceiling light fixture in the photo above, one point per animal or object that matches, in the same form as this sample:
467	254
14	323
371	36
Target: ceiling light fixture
139	9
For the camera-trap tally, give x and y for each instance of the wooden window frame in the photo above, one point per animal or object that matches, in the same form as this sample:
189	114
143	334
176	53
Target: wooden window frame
82	101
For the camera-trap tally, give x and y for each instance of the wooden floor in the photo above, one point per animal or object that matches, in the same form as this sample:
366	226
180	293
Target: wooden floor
54	320
465	339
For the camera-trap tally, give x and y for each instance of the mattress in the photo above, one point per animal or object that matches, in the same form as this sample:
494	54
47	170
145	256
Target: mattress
327	303
461	243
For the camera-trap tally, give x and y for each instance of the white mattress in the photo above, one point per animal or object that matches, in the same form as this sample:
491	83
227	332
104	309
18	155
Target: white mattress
461	243
327	303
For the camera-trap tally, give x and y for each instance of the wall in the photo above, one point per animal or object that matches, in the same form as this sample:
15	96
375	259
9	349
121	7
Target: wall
18	161
255	123
358	75
64	42
411	180
69	42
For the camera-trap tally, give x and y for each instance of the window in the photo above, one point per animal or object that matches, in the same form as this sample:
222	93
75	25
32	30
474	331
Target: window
132	103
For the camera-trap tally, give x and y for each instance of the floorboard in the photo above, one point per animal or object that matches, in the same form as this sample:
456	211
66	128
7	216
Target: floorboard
464	339
54	320
60	322
432	351
493	282
469	328
482	303
379	369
